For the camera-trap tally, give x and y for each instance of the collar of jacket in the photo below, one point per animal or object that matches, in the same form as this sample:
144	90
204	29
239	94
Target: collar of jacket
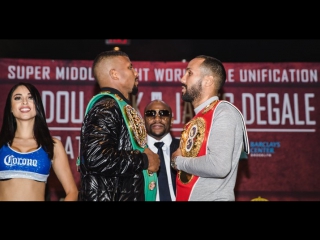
115	91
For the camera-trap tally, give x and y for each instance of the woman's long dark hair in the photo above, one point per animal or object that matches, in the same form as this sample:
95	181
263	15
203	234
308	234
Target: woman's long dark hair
40	129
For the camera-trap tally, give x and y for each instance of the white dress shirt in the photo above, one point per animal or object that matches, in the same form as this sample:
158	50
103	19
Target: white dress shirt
167	139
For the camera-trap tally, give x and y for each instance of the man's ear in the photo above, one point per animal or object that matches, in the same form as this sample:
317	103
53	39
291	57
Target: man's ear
113	74
209	81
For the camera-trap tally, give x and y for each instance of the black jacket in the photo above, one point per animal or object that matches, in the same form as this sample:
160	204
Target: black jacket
109	168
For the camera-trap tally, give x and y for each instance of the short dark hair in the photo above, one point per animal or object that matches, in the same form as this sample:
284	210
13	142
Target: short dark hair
103	55
215	67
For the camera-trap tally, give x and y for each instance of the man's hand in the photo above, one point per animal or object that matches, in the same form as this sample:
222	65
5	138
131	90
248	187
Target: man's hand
173	158
154	161
176	153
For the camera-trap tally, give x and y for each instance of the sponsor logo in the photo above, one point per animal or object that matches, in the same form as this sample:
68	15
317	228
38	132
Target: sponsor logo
263	149
11	161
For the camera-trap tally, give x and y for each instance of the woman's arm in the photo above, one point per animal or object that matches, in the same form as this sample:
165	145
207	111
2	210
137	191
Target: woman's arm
63	171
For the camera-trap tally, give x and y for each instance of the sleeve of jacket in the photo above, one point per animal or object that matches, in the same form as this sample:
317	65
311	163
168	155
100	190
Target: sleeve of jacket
106	147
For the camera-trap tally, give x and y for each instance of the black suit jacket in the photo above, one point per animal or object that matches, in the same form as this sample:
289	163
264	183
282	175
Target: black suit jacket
173	147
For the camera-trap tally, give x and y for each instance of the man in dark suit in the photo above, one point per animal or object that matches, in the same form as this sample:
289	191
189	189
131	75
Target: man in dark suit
158	120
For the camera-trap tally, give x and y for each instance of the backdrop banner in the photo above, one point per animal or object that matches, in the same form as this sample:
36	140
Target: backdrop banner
278	101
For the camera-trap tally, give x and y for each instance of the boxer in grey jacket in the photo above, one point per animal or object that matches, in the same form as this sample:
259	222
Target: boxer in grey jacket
211	143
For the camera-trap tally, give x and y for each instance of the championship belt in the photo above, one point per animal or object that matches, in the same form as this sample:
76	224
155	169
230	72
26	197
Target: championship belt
193	143
191	140
138	136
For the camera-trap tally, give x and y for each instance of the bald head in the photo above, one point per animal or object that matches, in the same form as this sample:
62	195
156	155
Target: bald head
213	67
160	103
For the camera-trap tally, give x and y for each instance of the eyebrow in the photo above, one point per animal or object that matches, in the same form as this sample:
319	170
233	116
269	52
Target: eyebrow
20	94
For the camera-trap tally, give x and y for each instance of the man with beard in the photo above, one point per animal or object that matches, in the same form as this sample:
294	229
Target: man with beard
115	163
158	120
212	141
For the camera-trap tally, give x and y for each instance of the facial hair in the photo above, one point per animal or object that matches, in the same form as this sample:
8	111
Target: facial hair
134	90
157	135
193	93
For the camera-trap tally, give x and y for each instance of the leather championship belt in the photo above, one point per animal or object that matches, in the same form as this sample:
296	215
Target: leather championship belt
138	137
193	143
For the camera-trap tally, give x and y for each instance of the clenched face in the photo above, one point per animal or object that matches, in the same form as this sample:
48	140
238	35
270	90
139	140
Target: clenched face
128	75
158	119
192	81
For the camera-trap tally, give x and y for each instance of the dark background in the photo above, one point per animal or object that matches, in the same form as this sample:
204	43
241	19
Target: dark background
227	50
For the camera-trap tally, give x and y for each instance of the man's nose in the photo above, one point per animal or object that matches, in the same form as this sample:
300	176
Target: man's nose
182	80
